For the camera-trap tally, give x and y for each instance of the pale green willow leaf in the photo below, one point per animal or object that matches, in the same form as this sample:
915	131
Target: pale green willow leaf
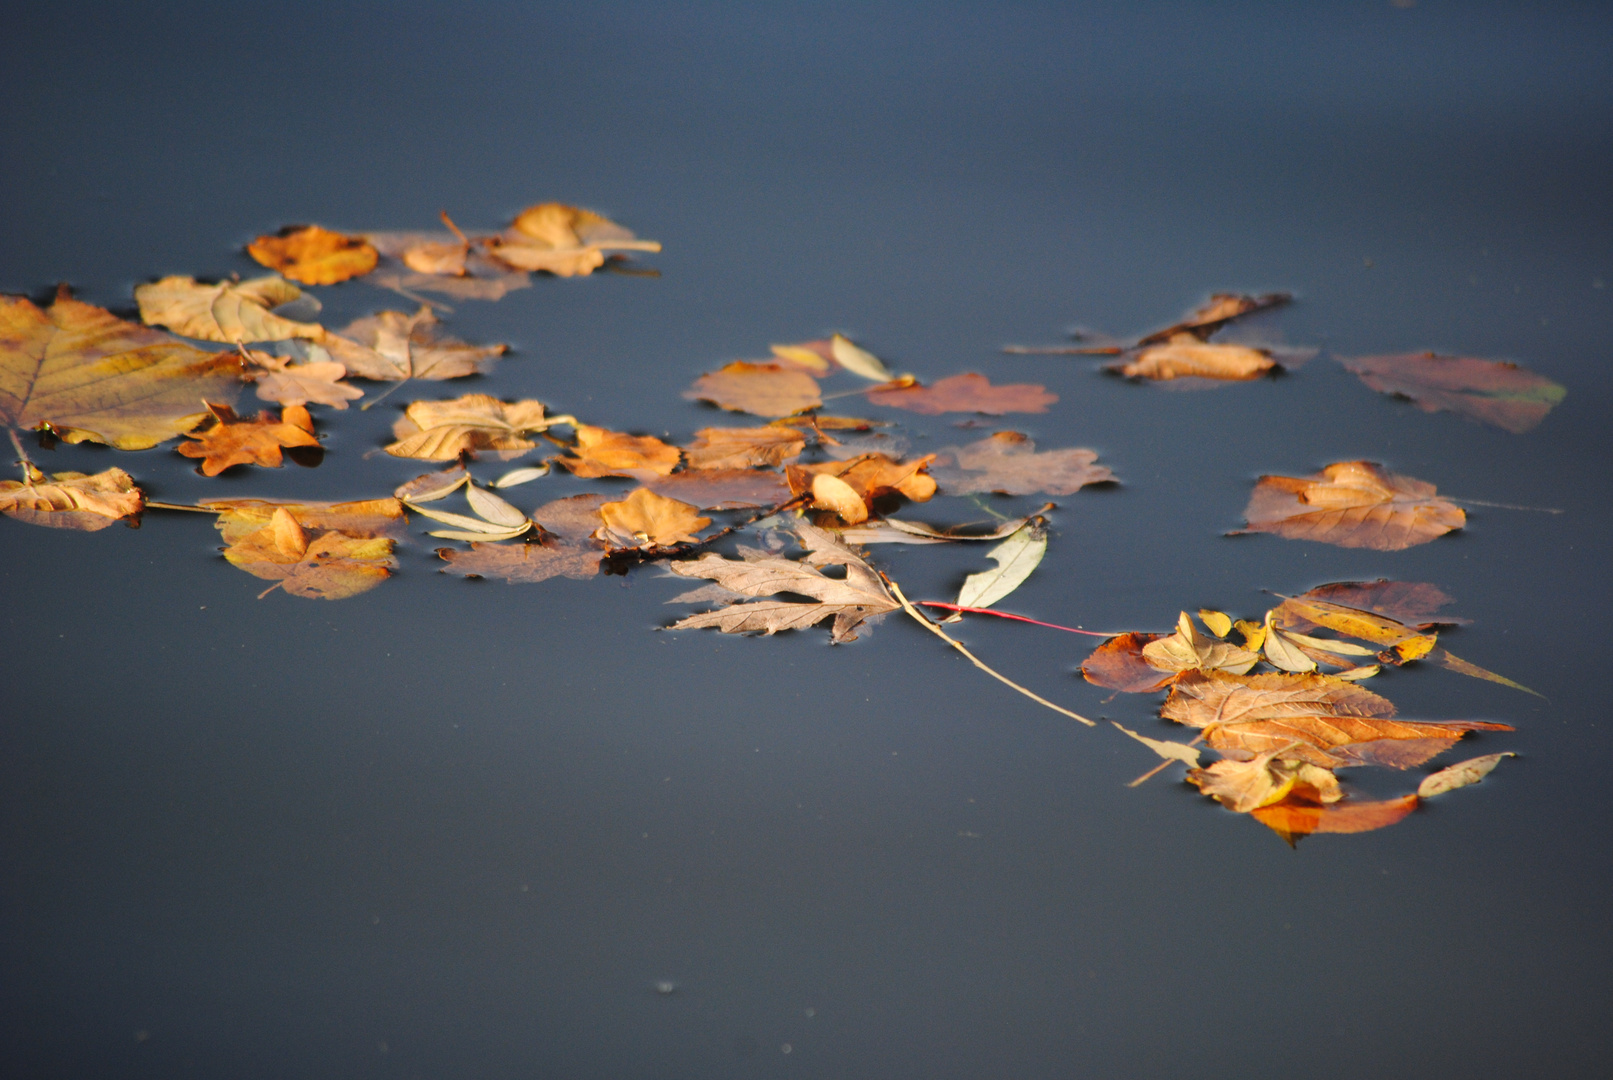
521	476
460	521
505	534
858	361
1015	557
493	508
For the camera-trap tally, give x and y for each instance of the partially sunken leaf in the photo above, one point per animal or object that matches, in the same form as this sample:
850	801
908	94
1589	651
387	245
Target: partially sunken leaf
1119	665
1295	818
231	441
329	566
90	376
1492	391
966	393
857	360
72	500
318	381
1015	557
563	240
743	448
314	255
1242	786
758	389
1007	462
490	287
231	311
525	475
1165	748
1221	309
645	519
1352	504
1459	775
611	453
1185	356
443	430
525	563
720	489
1414	603
1307	611
399	346
574	519
369	518
814	356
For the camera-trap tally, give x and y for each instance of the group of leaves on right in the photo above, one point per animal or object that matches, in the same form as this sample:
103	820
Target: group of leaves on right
1284	708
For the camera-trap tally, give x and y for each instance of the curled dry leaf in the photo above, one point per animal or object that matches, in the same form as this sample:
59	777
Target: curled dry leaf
1187	650
758	389
231	311
611	453
88	375
1185	356
433	486
966	393
645	519
314	255
1460	775
399	346
443	430
743	448
329	566
1119	665
1296	817
1505	395
72	500
833	494
232	441
317	381
1007	462
1352	504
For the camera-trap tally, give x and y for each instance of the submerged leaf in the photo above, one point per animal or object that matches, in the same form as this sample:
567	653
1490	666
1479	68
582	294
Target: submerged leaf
743	448
72	500
1165	748
1007	462
524	563
1295	818
1505	395
1221	309
315	255
966	393
720	489
399	346
1352	504
1119	665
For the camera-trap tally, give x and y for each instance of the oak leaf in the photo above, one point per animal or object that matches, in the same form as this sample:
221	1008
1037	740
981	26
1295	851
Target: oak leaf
399	346
318	381
329	566
443	430
1505	395
611	453
743	448
314	255
969	392
1352	504
645	520
88	375
758	389
232	441
72	500
230	311
1007	462
1185	356
1119	665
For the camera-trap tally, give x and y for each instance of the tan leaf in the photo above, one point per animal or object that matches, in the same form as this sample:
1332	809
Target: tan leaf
1459	775
563	240
231	441
758	389
1505	395
1221	309
645	519
1293	818
966	393
90	376
1242	786
1007	462
369	518
72	500
410	347
524	563
314	256
318	381
329	566
834	494
1119	665
443	430
230	311
1165	748
1352	504
611	453
1187	357
1187	649
870	476
1417	604
743	448
721	489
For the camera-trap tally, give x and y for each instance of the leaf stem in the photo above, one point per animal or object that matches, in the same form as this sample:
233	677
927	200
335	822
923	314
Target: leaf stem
1500	506
178	506
1006	615
22	455
1063	350
908	607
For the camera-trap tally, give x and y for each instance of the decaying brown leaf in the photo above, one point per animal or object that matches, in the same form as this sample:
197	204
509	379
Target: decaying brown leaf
72	500
1185	356
565	548
314	255
969	392
1352	504
1297	817
1415	604
850	601
233	312
1510	397
399	346
1007	462
475	423
721	489
88	375
232	441
329	566
317	381
611	453
1460	775
647	520
758	389
743	448
1119	665
1221	309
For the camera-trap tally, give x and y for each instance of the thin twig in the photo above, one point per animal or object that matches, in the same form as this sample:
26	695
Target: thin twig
1063	350
907	606
1016	618
1500	506
382	396
178	506
22	455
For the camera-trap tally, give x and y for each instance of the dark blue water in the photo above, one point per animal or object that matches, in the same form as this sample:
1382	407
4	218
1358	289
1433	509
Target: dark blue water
463	829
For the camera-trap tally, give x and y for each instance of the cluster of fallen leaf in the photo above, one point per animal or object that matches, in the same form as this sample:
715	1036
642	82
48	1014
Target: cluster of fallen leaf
795	476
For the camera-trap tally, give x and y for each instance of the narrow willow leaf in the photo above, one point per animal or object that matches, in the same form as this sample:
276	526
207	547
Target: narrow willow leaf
857	360
1356	674
493	508
1165	748
486	537
460	521
1015	557
1445	658
521	476
1461	774
1343	648
432	486
1219	622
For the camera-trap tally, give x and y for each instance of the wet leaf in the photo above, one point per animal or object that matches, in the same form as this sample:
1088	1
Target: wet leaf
743	448
870	476
72	500
1416	604
1460	775
899	531
831	493
857	360
90	376
1165	748
1283	654
494	509
491	287
563	240
1242	786
399	346
1187	649
1187	357
1119	665
318	381
314	255
1218	622
611	453
368	518
443	430
1352	504
814	356
645	519
524	563
433	486
849	601
721	489
525	475
758	389
232	441
328	566
966	393
1221	309
574	519
1505	395
234	312
1007	462
1293	819
1016	557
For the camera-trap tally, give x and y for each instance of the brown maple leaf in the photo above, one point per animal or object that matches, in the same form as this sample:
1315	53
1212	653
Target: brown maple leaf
611	453
232	441
72	500
647	520
965	393
314	255
1510	397
318	381
1007	462
743	448
758	389
329	566
475	423
1352	504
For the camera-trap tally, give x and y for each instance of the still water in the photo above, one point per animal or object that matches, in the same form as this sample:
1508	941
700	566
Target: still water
461	829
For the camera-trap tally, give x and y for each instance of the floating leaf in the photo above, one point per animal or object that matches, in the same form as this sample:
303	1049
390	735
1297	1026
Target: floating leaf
1416	604
645	519
1007	462
230	311
524	563
1185	356
743	448
966	393
369	518
90	376
1293	818
814	356
494	509
1510	397
870	476
1219	622
1221	309
1187	649
758	389
525	475
563	240
611	453
330	566
1459	775
399	346
720	489
72	500
314	255
443	430
433	486
1352	504
232	441
1016	557
1242	786
1119	665
831	493
1165	748
857	360
317	381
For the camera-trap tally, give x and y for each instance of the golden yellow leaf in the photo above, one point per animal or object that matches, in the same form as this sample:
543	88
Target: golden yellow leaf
329	566
231	441
645	519
1296	818
814	356
1219	622
443	430
230	311
611	453
758	389
1185	356
1352	504
1242	786
72	500
368	518
1187	649
834	494
315	255
563	240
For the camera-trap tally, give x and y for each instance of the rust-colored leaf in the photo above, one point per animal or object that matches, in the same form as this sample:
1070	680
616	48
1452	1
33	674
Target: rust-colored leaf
1295	818
743	448
1119	665
1352	504
721	489
645	519
1007	462
611	453
72	500
232	441
1185	356
1510	397
329	566
758	389
443	430
399	346
969	392
314	255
